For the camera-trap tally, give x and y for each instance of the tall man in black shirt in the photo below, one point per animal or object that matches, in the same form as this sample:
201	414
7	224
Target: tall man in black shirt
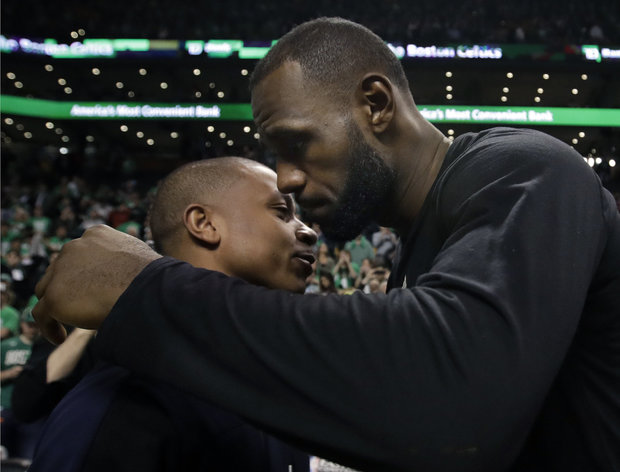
497	346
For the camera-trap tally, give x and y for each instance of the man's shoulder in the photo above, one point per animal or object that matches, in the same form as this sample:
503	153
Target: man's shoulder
508	143
493	154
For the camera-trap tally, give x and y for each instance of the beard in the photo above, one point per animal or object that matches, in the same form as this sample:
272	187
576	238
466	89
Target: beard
368	190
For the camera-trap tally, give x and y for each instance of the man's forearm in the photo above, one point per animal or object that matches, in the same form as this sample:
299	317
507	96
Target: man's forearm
65	357
82	285
357	379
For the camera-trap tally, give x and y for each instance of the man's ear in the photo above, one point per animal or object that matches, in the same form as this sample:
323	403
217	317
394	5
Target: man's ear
377	95
199	222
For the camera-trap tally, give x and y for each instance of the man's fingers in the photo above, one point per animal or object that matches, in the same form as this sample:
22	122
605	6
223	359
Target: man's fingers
41	286
54	331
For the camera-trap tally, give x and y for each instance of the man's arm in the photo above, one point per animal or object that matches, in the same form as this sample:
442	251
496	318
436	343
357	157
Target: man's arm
81	286
446	375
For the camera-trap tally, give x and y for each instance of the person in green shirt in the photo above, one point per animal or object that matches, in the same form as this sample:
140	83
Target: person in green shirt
360	249
17	438
9	316
15	352
39	222
345	271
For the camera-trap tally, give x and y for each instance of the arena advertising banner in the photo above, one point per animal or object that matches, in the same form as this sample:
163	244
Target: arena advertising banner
607	117
242	49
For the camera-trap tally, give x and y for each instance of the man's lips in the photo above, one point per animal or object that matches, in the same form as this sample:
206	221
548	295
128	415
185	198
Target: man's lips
306	256
304	259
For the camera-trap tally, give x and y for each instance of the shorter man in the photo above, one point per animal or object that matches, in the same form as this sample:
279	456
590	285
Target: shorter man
227	215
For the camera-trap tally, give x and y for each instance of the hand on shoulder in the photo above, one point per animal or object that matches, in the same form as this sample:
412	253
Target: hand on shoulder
82	285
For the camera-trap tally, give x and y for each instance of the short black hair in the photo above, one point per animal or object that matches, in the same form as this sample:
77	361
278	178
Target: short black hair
200	181
332	53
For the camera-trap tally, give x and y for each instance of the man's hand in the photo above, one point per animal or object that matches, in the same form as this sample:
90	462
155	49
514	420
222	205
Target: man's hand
82	285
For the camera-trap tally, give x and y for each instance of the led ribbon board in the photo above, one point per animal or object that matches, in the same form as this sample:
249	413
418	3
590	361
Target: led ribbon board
539	116
243	49
114	110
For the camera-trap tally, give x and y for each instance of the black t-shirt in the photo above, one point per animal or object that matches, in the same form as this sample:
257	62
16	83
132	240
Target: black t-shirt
501	352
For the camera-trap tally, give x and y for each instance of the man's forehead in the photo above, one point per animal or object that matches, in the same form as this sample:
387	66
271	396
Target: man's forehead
256	184
288	75
271	195
282	93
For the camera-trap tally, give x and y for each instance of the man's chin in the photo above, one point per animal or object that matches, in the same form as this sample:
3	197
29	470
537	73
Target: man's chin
339	223
339	230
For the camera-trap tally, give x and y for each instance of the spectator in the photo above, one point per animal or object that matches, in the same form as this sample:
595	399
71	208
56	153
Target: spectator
60	238
364	269
385	242
39	223
360	249
345	271
326	284
20	220
9	316
324	261
19	439
374	277
12	266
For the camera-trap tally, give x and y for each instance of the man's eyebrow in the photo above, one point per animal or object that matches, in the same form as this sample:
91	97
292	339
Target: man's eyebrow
287	197
283	132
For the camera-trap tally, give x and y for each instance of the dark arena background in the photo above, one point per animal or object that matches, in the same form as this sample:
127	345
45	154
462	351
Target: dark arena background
100	100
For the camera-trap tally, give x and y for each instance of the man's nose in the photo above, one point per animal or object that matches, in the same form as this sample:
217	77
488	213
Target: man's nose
306	235
291	179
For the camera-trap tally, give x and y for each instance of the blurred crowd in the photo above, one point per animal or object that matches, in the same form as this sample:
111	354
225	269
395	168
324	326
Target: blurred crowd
47	201
424	21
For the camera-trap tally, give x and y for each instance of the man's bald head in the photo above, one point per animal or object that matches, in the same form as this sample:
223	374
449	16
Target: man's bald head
204	182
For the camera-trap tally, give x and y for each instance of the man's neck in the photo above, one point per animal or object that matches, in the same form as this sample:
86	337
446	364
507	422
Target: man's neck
419	172
197	256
